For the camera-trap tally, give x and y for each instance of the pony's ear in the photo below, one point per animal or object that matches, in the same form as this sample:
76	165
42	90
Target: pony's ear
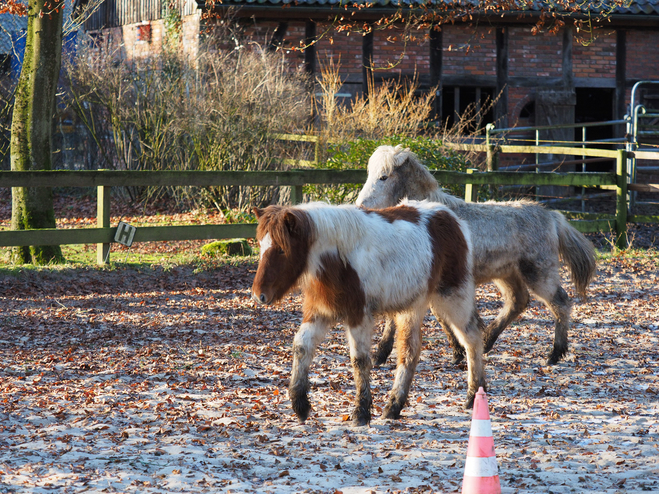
293	224
258	212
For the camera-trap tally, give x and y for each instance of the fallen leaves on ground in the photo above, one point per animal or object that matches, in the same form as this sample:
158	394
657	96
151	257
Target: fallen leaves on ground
170	379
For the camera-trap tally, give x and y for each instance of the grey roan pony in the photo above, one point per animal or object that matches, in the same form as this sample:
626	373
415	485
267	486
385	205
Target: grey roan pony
516	245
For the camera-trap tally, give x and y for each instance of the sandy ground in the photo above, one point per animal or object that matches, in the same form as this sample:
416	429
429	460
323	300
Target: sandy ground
169	379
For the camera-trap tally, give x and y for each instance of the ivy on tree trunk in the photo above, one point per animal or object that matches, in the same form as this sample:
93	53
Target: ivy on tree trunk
31	128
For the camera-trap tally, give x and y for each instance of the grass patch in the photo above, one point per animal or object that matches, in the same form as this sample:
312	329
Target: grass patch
229	247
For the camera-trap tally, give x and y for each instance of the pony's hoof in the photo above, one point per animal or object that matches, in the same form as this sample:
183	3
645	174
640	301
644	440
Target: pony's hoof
458	357
301	407
469	404
378	359
555	357
360	421
391	412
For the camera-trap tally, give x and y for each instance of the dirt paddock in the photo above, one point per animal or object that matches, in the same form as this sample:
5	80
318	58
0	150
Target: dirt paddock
169	379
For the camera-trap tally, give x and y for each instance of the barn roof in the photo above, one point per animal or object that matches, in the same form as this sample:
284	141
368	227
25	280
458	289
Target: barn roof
640	7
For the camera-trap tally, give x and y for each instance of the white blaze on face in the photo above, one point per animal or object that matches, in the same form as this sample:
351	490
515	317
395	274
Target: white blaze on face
265	244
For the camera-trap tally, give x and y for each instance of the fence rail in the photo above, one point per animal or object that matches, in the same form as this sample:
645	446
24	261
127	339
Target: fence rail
103	180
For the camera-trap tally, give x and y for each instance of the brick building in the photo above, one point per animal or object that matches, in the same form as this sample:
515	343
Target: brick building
533	75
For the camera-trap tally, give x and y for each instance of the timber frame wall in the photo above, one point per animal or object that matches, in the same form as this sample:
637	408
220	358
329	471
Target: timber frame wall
499	55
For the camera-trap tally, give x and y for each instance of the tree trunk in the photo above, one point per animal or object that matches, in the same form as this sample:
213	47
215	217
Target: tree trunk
31	128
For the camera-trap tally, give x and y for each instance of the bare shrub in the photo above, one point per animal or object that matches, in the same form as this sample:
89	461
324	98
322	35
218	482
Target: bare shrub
391	108
394	112
220	111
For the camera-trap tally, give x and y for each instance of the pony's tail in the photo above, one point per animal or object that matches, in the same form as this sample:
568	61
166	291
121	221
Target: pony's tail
577	252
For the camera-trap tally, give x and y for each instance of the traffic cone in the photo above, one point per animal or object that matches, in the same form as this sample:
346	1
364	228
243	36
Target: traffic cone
481	471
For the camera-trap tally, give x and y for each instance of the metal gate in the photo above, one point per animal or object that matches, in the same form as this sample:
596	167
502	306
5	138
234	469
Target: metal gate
642	131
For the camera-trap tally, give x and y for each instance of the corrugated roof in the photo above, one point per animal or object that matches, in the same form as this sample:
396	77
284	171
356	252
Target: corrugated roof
640	7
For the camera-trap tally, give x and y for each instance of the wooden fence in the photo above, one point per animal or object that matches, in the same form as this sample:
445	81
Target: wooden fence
103	180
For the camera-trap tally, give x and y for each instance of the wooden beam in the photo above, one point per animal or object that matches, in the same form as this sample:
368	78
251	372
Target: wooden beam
501	108
643	187
620	103
577	215
636	218
482	148
122	178
278	37
586	179
646	155
52	236
568	75
593	226
367	61
436	69
527	82
310	47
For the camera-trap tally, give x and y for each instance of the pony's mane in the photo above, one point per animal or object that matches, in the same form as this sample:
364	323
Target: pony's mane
385	159
278	222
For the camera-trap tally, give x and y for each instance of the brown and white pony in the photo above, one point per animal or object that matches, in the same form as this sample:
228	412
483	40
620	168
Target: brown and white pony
353	264
516	244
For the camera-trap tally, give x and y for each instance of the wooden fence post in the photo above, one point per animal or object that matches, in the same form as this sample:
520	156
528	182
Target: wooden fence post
621	199
296	194
492	157
102	221
471	191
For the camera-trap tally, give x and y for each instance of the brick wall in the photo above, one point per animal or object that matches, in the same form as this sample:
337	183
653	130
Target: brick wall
260	33
466	51
533	56
293	44
341	48
134	47
470	51
394	51
643	55
597	60
190	35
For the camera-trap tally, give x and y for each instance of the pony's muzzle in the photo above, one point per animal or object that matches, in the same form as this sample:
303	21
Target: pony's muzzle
260	299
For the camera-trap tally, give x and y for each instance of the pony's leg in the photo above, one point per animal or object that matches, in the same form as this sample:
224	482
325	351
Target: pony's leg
359	339
460	313
558	302
307	339
386	343
408	348
458	349
515	299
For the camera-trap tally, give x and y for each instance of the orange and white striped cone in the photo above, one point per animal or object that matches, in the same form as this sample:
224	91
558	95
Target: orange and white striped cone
481	471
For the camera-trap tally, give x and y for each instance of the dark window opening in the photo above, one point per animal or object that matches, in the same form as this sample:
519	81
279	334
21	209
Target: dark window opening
595	105
528	111
469	105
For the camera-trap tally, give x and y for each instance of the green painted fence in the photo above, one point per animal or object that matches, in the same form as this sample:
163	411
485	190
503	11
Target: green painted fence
104	179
